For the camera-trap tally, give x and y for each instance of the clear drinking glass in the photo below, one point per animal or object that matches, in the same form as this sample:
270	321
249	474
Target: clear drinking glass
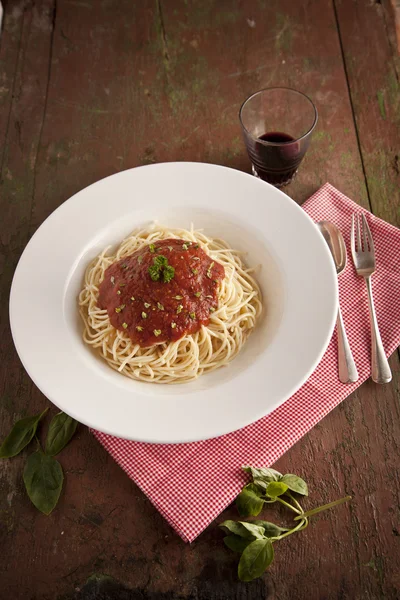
277	126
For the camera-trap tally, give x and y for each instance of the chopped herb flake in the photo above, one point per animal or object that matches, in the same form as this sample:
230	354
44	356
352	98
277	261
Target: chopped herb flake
139	328
168	273
132	298
195	271
147	305
118	291
178	297
160	260
124	266
196	246
154	272
160	306
140	259
212	309
179	309
173	325
144	315
157	332
197	294
152	248
195	257
192	315
170	248
120	308
185	247
122	284
125	325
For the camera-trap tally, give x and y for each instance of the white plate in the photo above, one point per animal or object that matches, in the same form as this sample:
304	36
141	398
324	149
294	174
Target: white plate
297	278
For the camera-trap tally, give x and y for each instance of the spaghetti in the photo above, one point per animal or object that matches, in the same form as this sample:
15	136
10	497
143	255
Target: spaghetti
180	361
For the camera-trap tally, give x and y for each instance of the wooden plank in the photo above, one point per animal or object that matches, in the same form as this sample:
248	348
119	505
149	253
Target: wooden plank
394	15
25	48
24	116
9	52
373	71
372	68
154	81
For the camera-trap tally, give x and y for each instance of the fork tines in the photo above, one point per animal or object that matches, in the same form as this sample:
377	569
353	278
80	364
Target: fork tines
360	229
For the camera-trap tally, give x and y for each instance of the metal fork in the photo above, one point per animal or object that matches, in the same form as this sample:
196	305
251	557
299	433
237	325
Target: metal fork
365	264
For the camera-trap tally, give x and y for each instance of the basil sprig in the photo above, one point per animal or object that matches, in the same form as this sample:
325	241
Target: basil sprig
254	540
160	269
43	475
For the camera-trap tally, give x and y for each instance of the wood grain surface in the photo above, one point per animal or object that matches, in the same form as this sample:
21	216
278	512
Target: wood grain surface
92	87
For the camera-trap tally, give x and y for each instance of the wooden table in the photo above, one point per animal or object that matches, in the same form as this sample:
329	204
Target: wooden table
89	88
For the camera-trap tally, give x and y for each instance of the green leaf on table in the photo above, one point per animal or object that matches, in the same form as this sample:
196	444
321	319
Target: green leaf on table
61	430
295	484
255	559
43	478
20	435
261	484
249	503
270	529
243	529
263	473
276	488
236	543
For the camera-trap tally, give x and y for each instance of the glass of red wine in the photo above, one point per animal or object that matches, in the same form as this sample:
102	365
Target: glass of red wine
277	126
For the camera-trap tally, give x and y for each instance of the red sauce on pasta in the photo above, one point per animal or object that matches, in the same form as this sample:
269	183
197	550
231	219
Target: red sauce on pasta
161	292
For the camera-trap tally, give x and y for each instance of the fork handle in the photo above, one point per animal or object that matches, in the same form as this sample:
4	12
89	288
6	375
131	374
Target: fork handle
347	367
381	372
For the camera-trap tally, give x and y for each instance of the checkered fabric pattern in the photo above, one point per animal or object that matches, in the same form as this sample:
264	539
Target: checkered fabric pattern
209	471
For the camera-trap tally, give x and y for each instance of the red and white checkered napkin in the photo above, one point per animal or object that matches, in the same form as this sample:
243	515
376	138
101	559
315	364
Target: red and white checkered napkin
209	471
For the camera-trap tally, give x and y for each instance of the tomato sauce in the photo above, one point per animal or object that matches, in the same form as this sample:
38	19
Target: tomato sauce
161	292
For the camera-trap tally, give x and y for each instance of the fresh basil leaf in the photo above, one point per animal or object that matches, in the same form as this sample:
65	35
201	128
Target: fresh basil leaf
61	430
255	559
252	530
249	503
235	528
261	484
43	478
276	488
20	435
263	473
236	543
273	473
243	529
295	484
270	529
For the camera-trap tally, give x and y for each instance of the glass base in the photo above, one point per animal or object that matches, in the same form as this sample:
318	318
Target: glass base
274	179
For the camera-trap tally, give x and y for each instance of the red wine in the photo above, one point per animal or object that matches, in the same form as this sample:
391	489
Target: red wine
277	137
276	162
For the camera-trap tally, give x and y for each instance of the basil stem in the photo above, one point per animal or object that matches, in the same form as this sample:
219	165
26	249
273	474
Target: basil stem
302	525
291	507
319	509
